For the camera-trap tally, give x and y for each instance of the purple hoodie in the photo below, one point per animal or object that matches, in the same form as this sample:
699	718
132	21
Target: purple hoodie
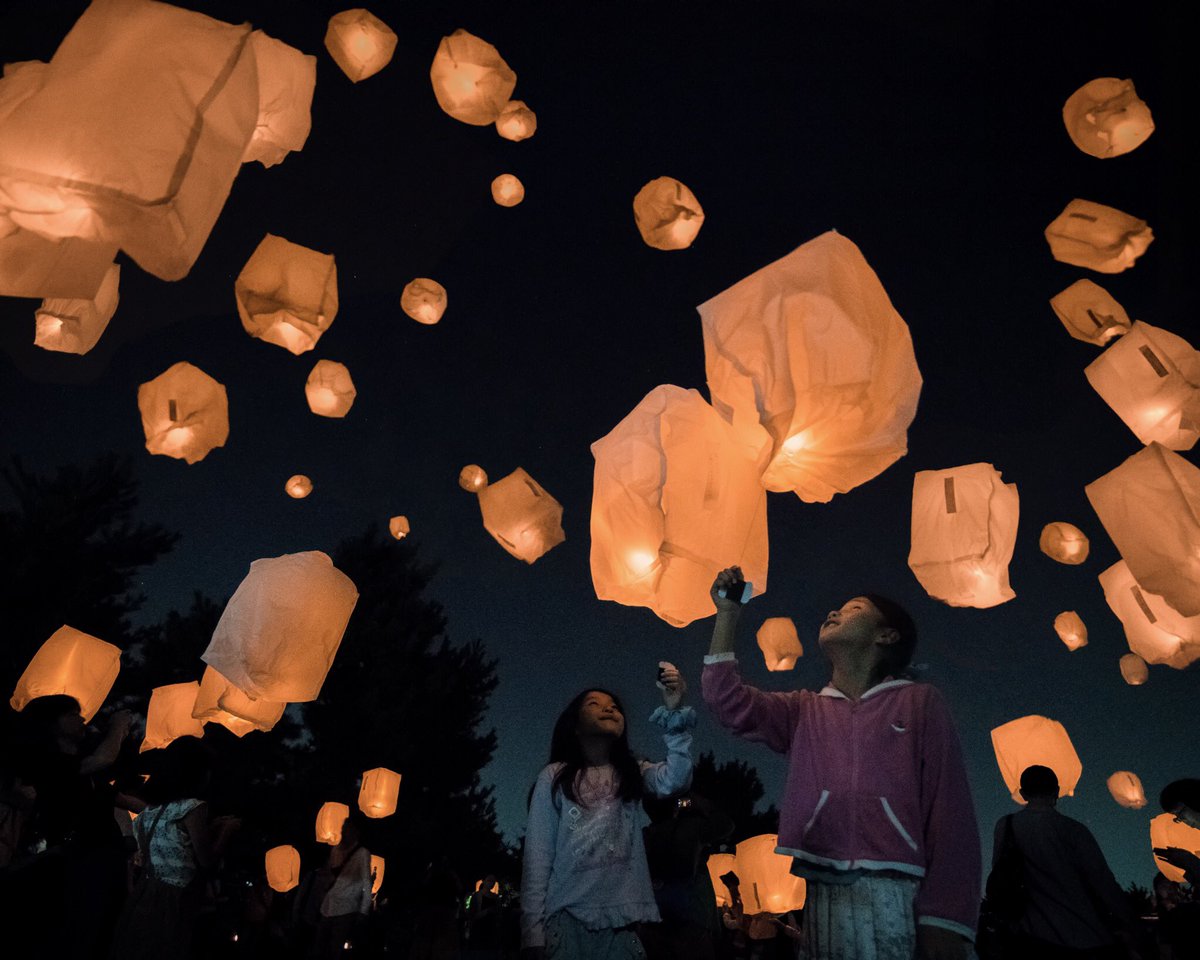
877	784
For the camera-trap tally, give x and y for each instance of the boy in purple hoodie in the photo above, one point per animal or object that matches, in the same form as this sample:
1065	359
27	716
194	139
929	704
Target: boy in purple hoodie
877	813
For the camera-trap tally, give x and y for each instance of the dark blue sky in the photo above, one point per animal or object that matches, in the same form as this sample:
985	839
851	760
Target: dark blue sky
935	143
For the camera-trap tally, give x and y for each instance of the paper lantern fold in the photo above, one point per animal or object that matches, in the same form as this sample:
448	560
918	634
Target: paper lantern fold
522	517
286	81
360	43
1036	741
471	81
224	703
1101	238
1090	313
73	663
185	413
283	868
1106	118
1155	631
287	294
70	325
766	880
169	715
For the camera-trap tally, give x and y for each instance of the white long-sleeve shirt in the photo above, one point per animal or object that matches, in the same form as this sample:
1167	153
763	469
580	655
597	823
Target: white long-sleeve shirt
351	889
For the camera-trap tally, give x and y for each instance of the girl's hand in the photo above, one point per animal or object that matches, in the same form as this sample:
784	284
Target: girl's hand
674	686
724	579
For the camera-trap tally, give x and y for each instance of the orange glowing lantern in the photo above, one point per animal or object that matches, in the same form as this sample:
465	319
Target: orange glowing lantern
1090	313
377	865
286	80
1064	542
964	528
667	214
169	715
185	413
779	643
69	325
523	518
67	267
220	701
360	43
424	300
1155	631
379	792
495	887
1106	118
1134	670
298	486
1100	238
329	390
73	663
1036	741
1071	630
1126	789
507	190
283	868
280	630
470	79
516	121
287	294
766	880
720	864
676	498
399	527
472	478
1165	831
330	819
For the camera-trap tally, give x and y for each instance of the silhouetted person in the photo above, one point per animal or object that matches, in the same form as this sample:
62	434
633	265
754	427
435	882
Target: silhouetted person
1182	800
435	930
1178	914
347	902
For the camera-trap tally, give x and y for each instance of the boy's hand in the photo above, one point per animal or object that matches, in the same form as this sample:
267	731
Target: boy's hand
673	684
725	579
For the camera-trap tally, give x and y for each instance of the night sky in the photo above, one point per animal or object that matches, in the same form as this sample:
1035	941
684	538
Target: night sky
934	143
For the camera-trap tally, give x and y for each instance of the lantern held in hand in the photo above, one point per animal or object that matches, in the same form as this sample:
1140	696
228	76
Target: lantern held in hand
360	43
1100	238
287	294
329	390
667	214
330	819
507	190
220	701
516	121
298	486
1090	313
399	528
766	880
1155	631
286	81
1166	832
1064	542
720	864
1036	741
1126	789
74	326
283	868
169	715
72	663
379	791
779	643
524	519
424	300
1071	630
470	79
1106	118
185	413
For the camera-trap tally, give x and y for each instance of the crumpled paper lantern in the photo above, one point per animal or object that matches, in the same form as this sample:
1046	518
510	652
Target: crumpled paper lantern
1090	313
222	702
1150	506
516	121
1106	118
720	864
1100	238
779	643
280	630
287	294
1165	832
379	792
766	880
1064	542
286	81
1155	631
73	663
169	715
70	325
424	300
811	349
330	819
360	43
283	868
667	214
472	478
1151	379
470	79
507	190
675	500
329	389
377	865
185	413
1126	789
1071	630
964	528
1134	670
523	518
298	486
399	527
1036	741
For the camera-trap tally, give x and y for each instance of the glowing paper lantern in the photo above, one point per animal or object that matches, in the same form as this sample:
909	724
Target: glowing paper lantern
185	413
1090	313
1100	238
1165	832
424	300
720	864
329	390
280	630
1126	789
766	880
330	819
169	715
811	349
73	663
222	702
964	528
676	499
1106	118
1064	542
1134	670
1036	741
286	80
495	887
667	214
67	267
360	43
73	325
298	486
399	528
1156	632
507	190
779	643
524	519
470	79
1071	630
379	791
283	868
516	121
377	865
287	294
1151	379
472	478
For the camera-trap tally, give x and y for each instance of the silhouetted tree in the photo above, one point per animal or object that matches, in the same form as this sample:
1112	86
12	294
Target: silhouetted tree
735	788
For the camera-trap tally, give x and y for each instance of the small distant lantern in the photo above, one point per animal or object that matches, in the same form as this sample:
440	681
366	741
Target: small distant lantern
169	715
964	528
330	819
1126	789
68	325
779	643
1166	832
720	864
399	527
1155	631
472	478
1071	630
470	79
287	294
283	868
329	389
1036	741
286	81
522	517
298	486
377	865
1106	118
424	300
1134	670
185	413
1090	313
507	190
379	792
221	702
73	663
765	877
360	43
667	214
1101	238
1064	542
516	121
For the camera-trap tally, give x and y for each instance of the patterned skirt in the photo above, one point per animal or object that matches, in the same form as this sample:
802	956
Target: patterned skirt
869	919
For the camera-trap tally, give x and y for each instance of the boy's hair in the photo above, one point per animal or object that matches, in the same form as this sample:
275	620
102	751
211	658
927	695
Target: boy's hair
899	654
566	749
1039	781
1186	792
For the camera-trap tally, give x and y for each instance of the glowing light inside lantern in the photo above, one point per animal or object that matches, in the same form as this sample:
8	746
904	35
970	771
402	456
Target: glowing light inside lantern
298	487
507	190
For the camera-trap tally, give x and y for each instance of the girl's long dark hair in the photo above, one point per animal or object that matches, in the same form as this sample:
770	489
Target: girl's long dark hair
566	749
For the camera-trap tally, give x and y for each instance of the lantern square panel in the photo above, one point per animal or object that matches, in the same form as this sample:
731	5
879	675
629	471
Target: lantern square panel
169	715
1036	741
283	868
222	702
73	663
471	81
1090	313
1155	631
1106	118
360	43
524	519
287	294
75	325
185	413
1101	238
286	81
766	880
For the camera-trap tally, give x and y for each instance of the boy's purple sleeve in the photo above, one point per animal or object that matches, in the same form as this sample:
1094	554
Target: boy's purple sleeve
768	718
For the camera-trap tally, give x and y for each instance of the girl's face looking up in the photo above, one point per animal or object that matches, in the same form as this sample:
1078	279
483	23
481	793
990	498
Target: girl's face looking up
599	716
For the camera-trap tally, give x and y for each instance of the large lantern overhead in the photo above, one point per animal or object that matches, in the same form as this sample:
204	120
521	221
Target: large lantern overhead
1151	379
523	518
1155	631
1064	542
516	121
73	663
69	325
811	349
470	79
779	643
720	864
220	701
424	300
287	294
1106	118
675	500
283	868
1166	831
1100	238
185	413
1090	313
286	80
379	792
1036	741
330	819
1071	630
667	214
766	880
1126	789
507	190
964	528
169	715
280	630
329	389
360	43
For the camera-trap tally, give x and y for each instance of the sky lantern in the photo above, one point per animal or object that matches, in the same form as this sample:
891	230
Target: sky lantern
495	887
1090	313
399	527
524	519
470	79
1071	630
377	865
185	413
280	630
222	702
766	880
70	325
964	528
1036	741
516	121
507	190
667	214
1165	832
1064	542
1106	118
70	662
811	350
720	864
1126	789
286	81
1100	238
1134	670
424	300
779	643
329	390
298	486
1151	379
360	43
283	868
330	819
1155	631
676	498
287	294
169	715
379	791
472	478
